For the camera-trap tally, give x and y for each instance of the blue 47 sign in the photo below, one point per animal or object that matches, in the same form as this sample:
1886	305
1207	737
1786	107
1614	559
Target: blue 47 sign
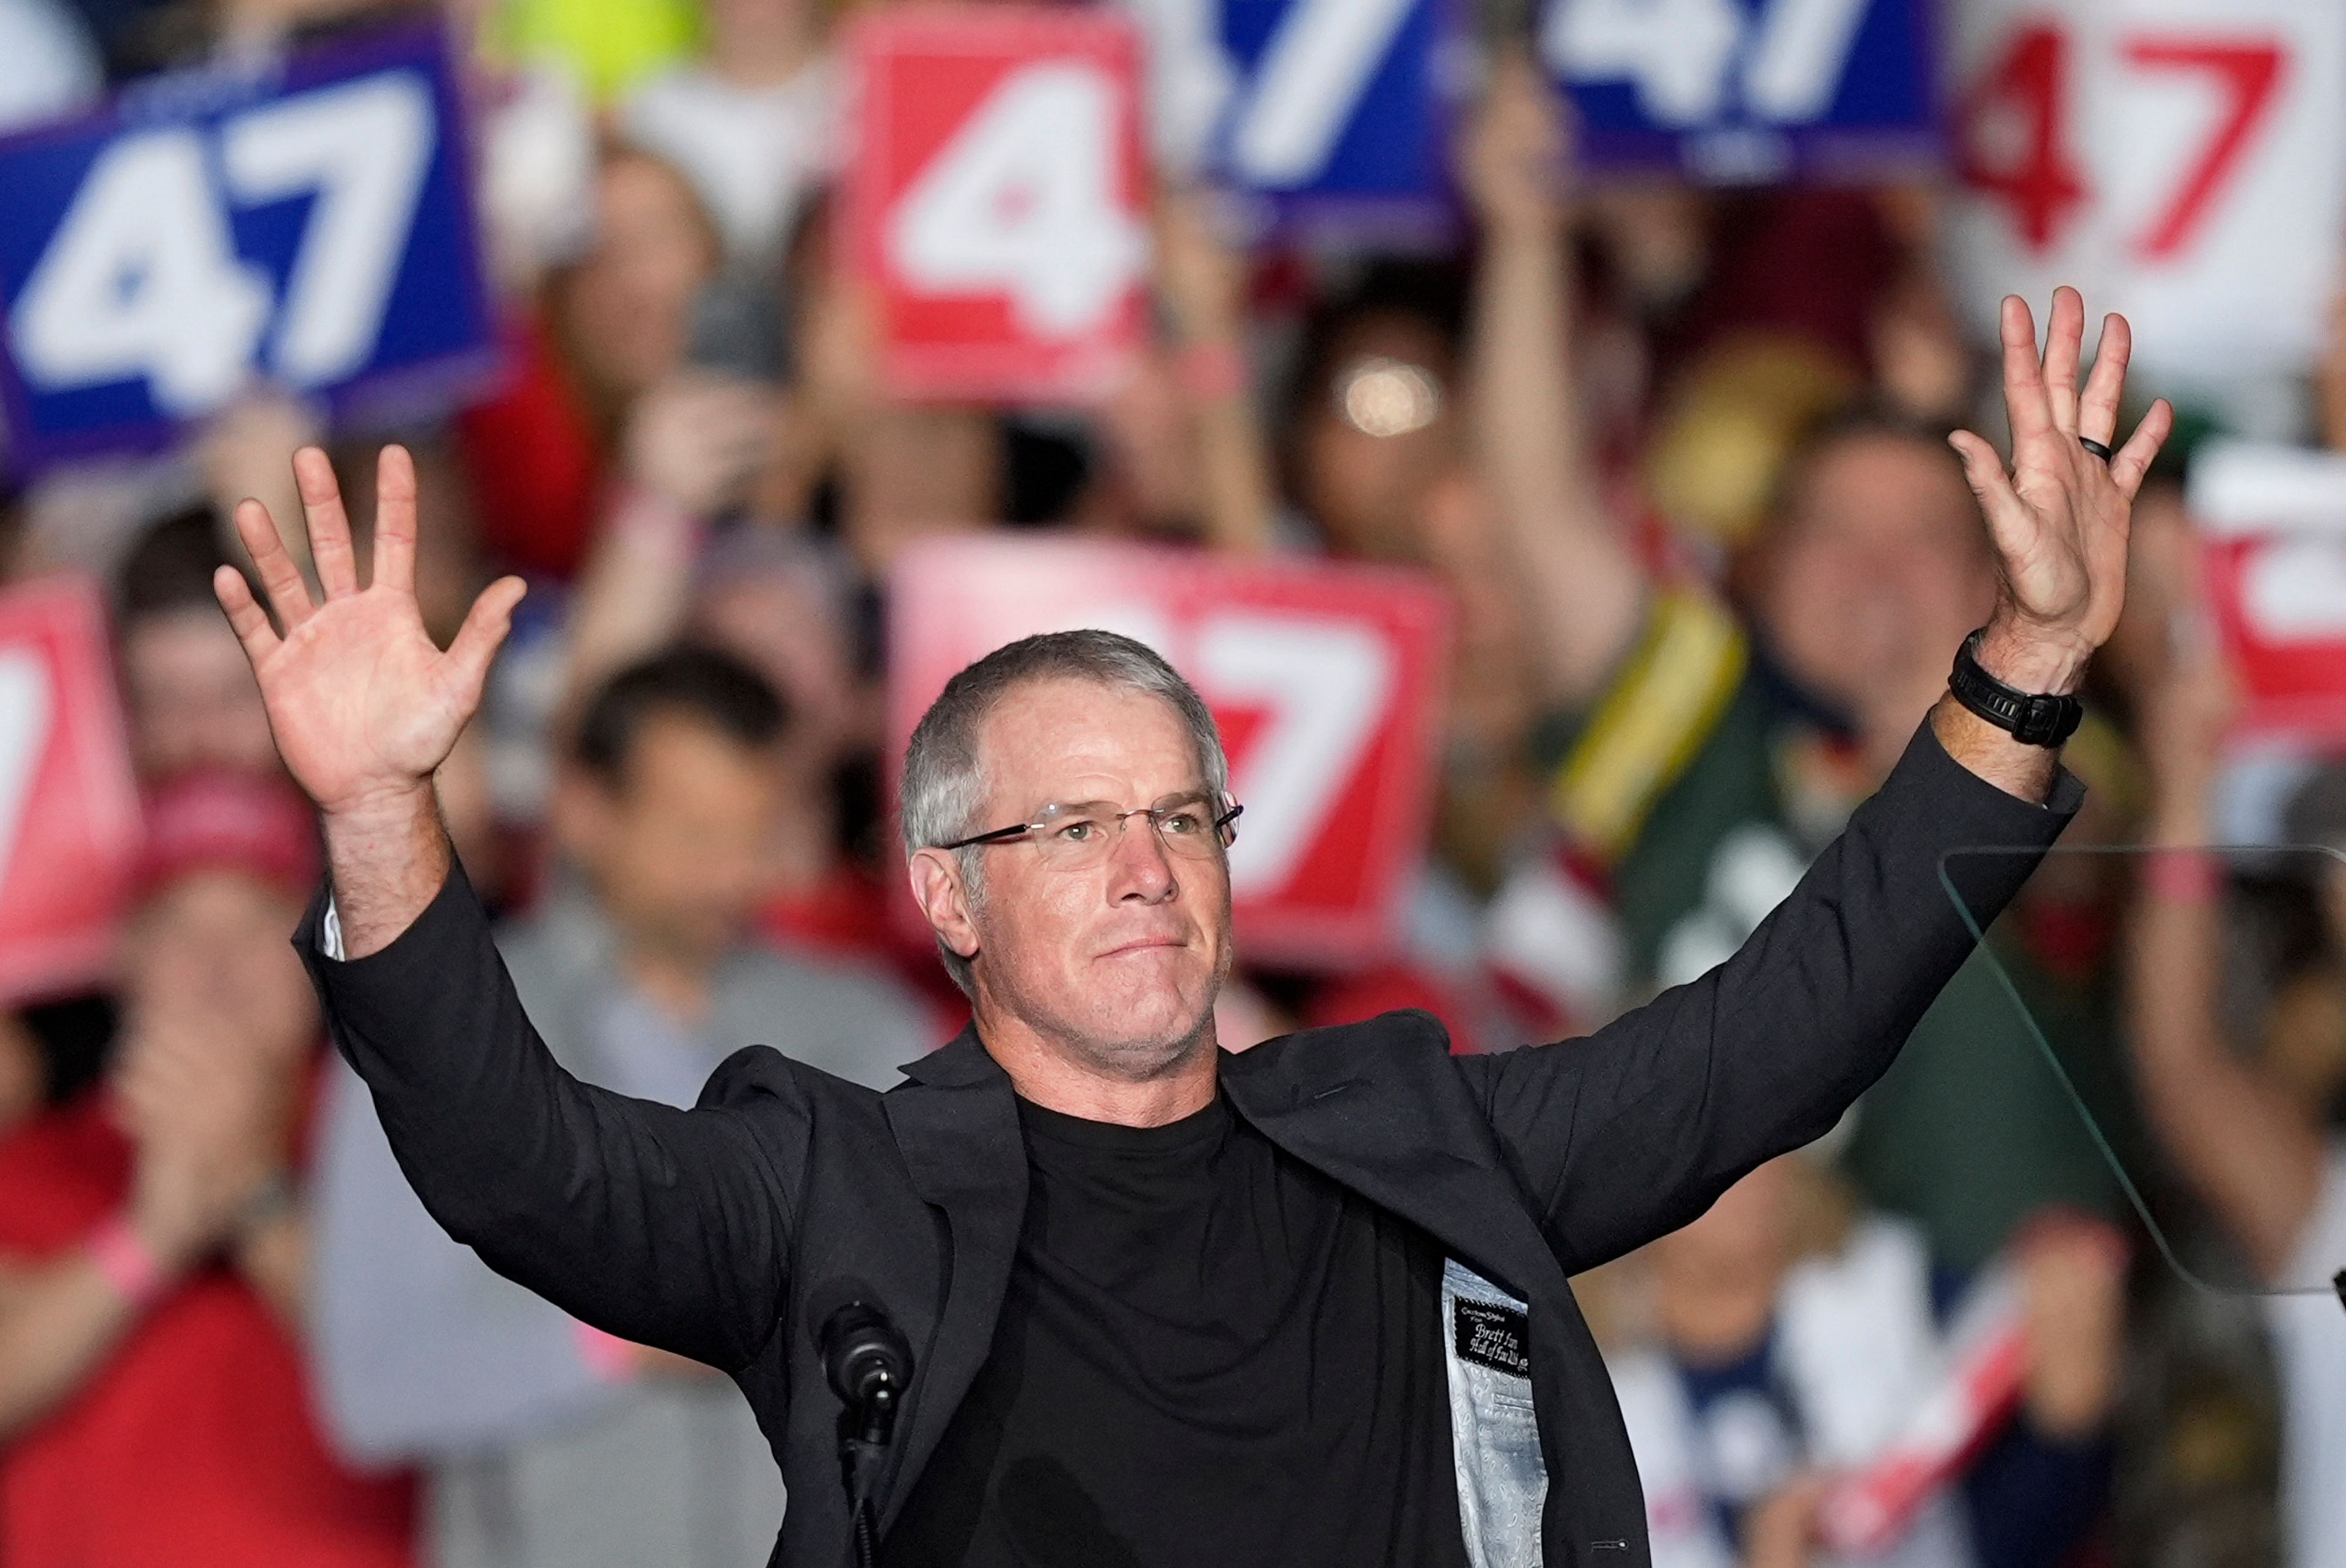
306	222
1337	109
1743	91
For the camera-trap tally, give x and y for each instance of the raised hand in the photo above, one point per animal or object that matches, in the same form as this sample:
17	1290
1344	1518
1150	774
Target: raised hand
362	704
1513	160
2059	517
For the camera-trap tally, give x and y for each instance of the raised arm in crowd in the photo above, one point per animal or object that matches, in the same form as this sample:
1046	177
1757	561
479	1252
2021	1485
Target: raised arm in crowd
1584	583
2253	1150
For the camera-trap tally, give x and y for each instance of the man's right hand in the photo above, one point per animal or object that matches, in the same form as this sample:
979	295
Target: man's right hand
363	706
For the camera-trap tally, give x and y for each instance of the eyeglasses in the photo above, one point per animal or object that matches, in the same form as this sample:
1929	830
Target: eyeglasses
1196	826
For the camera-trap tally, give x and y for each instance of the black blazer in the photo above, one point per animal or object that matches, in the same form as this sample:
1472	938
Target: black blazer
730	1231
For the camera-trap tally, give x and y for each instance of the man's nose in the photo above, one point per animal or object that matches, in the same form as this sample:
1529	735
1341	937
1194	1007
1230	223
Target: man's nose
1138	866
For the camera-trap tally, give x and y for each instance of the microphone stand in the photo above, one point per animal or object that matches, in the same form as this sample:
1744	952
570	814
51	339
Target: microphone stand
862	1444
868	1365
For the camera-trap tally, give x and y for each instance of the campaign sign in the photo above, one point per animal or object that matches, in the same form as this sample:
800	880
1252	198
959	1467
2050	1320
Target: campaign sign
2181	161
1326	681
1337	113
1740	92
998	199
2274	522
304	220
69	821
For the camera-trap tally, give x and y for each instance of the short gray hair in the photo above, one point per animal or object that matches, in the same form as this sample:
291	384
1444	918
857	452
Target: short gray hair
944	782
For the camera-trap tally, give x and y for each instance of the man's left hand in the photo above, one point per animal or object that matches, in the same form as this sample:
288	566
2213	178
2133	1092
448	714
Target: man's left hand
2059	516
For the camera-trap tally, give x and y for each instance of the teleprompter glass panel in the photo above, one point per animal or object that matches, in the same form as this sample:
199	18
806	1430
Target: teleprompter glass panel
2188	1005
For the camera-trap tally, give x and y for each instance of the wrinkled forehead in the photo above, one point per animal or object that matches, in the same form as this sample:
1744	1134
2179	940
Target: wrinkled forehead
1066	741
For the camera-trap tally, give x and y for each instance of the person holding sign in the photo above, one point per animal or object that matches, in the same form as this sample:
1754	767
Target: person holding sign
1098	1290
2247	1128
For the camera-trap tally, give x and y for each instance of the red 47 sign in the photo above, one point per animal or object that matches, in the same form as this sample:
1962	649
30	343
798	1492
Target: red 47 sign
2280	600
2183	161
69	820
2274	521
996	199
1325	680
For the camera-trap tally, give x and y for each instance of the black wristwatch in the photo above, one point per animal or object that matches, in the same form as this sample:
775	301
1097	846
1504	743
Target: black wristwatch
2039	719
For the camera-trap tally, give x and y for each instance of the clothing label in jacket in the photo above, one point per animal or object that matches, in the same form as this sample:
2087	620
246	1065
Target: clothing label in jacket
1492	1336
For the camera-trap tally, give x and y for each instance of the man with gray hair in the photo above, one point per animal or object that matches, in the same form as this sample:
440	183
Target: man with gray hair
1164	1305
945	784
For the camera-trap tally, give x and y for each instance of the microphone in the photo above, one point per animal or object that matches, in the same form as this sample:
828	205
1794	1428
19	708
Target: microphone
867	1364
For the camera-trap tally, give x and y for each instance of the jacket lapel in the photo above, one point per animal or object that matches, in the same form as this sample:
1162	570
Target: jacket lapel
1392	1120
957	1125
1381	1110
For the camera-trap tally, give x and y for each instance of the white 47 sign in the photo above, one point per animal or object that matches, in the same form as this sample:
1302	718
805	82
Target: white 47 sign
2183	161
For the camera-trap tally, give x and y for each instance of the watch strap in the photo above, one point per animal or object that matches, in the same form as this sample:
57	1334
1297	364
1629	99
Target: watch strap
2034	718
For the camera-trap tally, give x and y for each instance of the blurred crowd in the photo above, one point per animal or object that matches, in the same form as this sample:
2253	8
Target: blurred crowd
1678	459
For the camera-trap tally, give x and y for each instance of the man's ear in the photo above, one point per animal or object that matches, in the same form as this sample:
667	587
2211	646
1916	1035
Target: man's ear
944	898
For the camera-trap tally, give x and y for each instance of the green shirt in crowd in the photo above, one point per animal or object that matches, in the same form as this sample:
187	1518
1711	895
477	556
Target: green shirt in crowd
1703	785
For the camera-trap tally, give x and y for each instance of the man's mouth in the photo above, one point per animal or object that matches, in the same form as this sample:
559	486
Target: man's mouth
1144	944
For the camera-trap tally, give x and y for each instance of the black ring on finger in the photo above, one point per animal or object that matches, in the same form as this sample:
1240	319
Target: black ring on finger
2099	449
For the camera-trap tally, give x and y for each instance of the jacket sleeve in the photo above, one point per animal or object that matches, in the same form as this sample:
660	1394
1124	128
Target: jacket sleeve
419	1349
1631	1132
666	1226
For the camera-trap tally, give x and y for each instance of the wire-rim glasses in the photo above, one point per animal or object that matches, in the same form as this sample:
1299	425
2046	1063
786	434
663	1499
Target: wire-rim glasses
1197	825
